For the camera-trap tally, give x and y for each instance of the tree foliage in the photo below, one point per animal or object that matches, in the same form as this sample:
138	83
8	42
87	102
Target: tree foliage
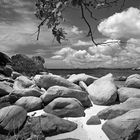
28	66
50	12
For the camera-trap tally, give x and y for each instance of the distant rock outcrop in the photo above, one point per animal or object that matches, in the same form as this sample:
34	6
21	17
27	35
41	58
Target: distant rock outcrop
28	66
4	59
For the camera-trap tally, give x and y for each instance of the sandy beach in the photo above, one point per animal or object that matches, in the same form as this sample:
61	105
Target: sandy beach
84	131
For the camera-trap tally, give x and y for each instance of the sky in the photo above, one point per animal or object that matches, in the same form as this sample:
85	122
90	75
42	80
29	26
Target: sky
18	25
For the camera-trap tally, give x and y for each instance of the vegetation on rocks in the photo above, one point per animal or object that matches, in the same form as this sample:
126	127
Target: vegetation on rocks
28	66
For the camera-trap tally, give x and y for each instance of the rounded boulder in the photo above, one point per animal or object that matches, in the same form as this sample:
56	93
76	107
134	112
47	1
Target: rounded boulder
12	118
29	103
65	107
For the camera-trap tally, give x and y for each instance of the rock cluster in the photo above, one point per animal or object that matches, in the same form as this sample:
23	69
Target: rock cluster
123	119
57	96
60	97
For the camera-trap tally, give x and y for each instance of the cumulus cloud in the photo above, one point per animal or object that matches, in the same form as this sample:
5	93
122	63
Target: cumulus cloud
109	48
80	58
111	55
124	25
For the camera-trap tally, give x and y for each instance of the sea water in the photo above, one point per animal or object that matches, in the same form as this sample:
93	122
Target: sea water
98	72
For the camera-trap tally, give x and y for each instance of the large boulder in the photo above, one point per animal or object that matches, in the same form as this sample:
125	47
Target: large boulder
16	94
103	91
37	128
30	103
76	78
12	118
133	81
5	101
46	125
22	82
60	91
53	125
65	107
46	81
125	92
124	127
5	88
117	110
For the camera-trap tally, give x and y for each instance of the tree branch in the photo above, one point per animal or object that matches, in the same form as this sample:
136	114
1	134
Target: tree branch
90	12
39	26
90	30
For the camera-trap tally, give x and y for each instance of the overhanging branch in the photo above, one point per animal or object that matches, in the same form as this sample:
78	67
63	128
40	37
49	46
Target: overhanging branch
86	21
39	26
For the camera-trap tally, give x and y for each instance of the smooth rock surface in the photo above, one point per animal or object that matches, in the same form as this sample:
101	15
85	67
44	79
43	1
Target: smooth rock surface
46	81
117	110
12	118
65	107
22	82
126	92
5	88
93	120
133	81
87	79
103	91
60	91
25	92
47	125
124	127
5	101
29	103
53	125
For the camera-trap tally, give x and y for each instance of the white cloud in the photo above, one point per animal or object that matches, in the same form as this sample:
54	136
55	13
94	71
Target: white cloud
110	49
83	43
124	25
80	58
105	55
76	30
